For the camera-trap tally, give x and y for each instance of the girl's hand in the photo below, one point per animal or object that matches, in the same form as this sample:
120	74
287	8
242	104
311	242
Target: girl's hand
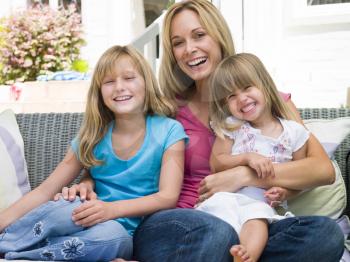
262	165
92	212
229	180
276	195
84	191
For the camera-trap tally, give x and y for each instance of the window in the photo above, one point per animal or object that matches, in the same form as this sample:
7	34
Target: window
57	3
316	12
326	2
66	3
153	9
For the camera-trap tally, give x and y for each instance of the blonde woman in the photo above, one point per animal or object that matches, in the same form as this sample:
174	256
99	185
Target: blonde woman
135	157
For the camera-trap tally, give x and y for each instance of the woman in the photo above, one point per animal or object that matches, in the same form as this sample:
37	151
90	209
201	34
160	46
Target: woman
195	39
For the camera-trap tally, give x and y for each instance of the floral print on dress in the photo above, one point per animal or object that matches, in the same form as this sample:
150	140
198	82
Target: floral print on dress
38	229
48	255
248	142
73	248
278	149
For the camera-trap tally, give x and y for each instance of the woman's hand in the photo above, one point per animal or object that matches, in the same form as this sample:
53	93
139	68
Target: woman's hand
83	190
229	180
92	212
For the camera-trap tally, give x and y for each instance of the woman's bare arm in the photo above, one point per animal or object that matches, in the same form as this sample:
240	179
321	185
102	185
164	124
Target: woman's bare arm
314	170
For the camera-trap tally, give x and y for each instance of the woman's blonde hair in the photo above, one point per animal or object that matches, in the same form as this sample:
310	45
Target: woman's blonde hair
173	82
98	115
238	72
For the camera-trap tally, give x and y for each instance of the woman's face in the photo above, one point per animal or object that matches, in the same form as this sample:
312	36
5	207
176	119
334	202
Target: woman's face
196	53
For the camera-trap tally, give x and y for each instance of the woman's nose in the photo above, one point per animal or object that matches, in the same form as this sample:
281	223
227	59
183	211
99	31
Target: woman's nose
190	47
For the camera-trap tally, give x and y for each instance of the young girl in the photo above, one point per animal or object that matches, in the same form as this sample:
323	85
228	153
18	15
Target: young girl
249	119
135	156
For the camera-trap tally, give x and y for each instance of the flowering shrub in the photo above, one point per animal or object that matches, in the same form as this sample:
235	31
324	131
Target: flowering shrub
39	41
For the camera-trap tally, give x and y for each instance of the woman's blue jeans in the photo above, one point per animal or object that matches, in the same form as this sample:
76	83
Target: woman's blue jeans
191	235
48	233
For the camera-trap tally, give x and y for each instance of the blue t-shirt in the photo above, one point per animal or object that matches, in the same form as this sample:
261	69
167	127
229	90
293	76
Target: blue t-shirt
119	179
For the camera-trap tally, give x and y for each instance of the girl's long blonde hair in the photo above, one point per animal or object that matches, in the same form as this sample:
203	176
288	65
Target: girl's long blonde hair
238	72
173	82
97	115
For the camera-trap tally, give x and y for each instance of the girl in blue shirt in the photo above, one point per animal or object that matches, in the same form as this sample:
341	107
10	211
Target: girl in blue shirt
134	154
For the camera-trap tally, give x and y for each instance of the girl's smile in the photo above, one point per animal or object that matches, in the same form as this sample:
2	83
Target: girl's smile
123	92
248	104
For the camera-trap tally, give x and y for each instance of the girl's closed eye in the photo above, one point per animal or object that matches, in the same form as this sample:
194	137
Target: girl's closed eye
129	77
108	82
231	96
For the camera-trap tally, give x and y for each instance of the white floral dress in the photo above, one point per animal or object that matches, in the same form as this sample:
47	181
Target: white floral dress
249	202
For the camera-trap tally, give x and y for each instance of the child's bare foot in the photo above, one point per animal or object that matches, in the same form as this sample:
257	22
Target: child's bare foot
240	254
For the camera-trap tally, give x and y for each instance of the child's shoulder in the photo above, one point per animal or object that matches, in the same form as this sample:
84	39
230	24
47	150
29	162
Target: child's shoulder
293	126
291	123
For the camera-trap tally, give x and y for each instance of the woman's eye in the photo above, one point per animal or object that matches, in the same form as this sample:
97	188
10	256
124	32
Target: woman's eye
129	77
200	34
176	43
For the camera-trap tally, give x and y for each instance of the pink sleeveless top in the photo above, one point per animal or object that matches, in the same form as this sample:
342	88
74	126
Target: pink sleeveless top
197	154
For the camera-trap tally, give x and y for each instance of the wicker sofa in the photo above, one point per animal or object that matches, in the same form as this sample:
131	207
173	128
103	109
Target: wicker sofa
47	136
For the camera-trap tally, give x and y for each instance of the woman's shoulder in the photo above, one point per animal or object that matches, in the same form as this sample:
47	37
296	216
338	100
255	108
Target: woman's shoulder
163	121
285	96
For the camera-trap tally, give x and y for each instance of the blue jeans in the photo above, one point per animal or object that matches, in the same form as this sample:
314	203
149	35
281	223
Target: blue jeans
191	235
48	233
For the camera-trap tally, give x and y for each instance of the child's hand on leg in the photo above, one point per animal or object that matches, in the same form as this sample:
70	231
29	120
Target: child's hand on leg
92	212
84	191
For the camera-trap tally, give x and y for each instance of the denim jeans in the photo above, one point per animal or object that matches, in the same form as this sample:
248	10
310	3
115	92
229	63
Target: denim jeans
48	233
191	235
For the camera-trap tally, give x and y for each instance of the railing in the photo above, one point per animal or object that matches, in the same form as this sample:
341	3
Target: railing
148	43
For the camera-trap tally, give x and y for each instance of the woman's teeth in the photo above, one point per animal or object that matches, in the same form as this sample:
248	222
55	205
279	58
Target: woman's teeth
197	61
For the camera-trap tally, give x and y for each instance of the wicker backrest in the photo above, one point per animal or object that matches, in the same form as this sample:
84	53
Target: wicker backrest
47	137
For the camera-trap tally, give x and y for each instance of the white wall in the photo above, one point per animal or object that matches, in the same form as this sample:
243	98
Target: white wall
110	22
306	56
7	6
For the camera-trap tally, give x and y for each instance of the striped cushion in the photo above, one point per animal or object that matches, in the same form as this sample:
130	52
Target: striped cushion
13	169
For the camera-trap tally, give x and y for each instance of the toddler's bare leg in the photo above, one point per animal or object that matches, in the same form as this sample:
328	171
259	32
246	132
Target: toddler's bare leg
253	238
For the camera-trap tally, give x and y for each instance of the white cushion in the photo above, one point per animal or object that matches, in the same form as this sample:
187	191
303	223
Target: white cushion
14	180
329	200
330	132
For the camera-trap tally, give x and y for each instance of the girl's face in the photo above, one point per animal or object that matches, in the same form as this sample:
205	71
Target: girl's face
248	104
123	91
196	53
